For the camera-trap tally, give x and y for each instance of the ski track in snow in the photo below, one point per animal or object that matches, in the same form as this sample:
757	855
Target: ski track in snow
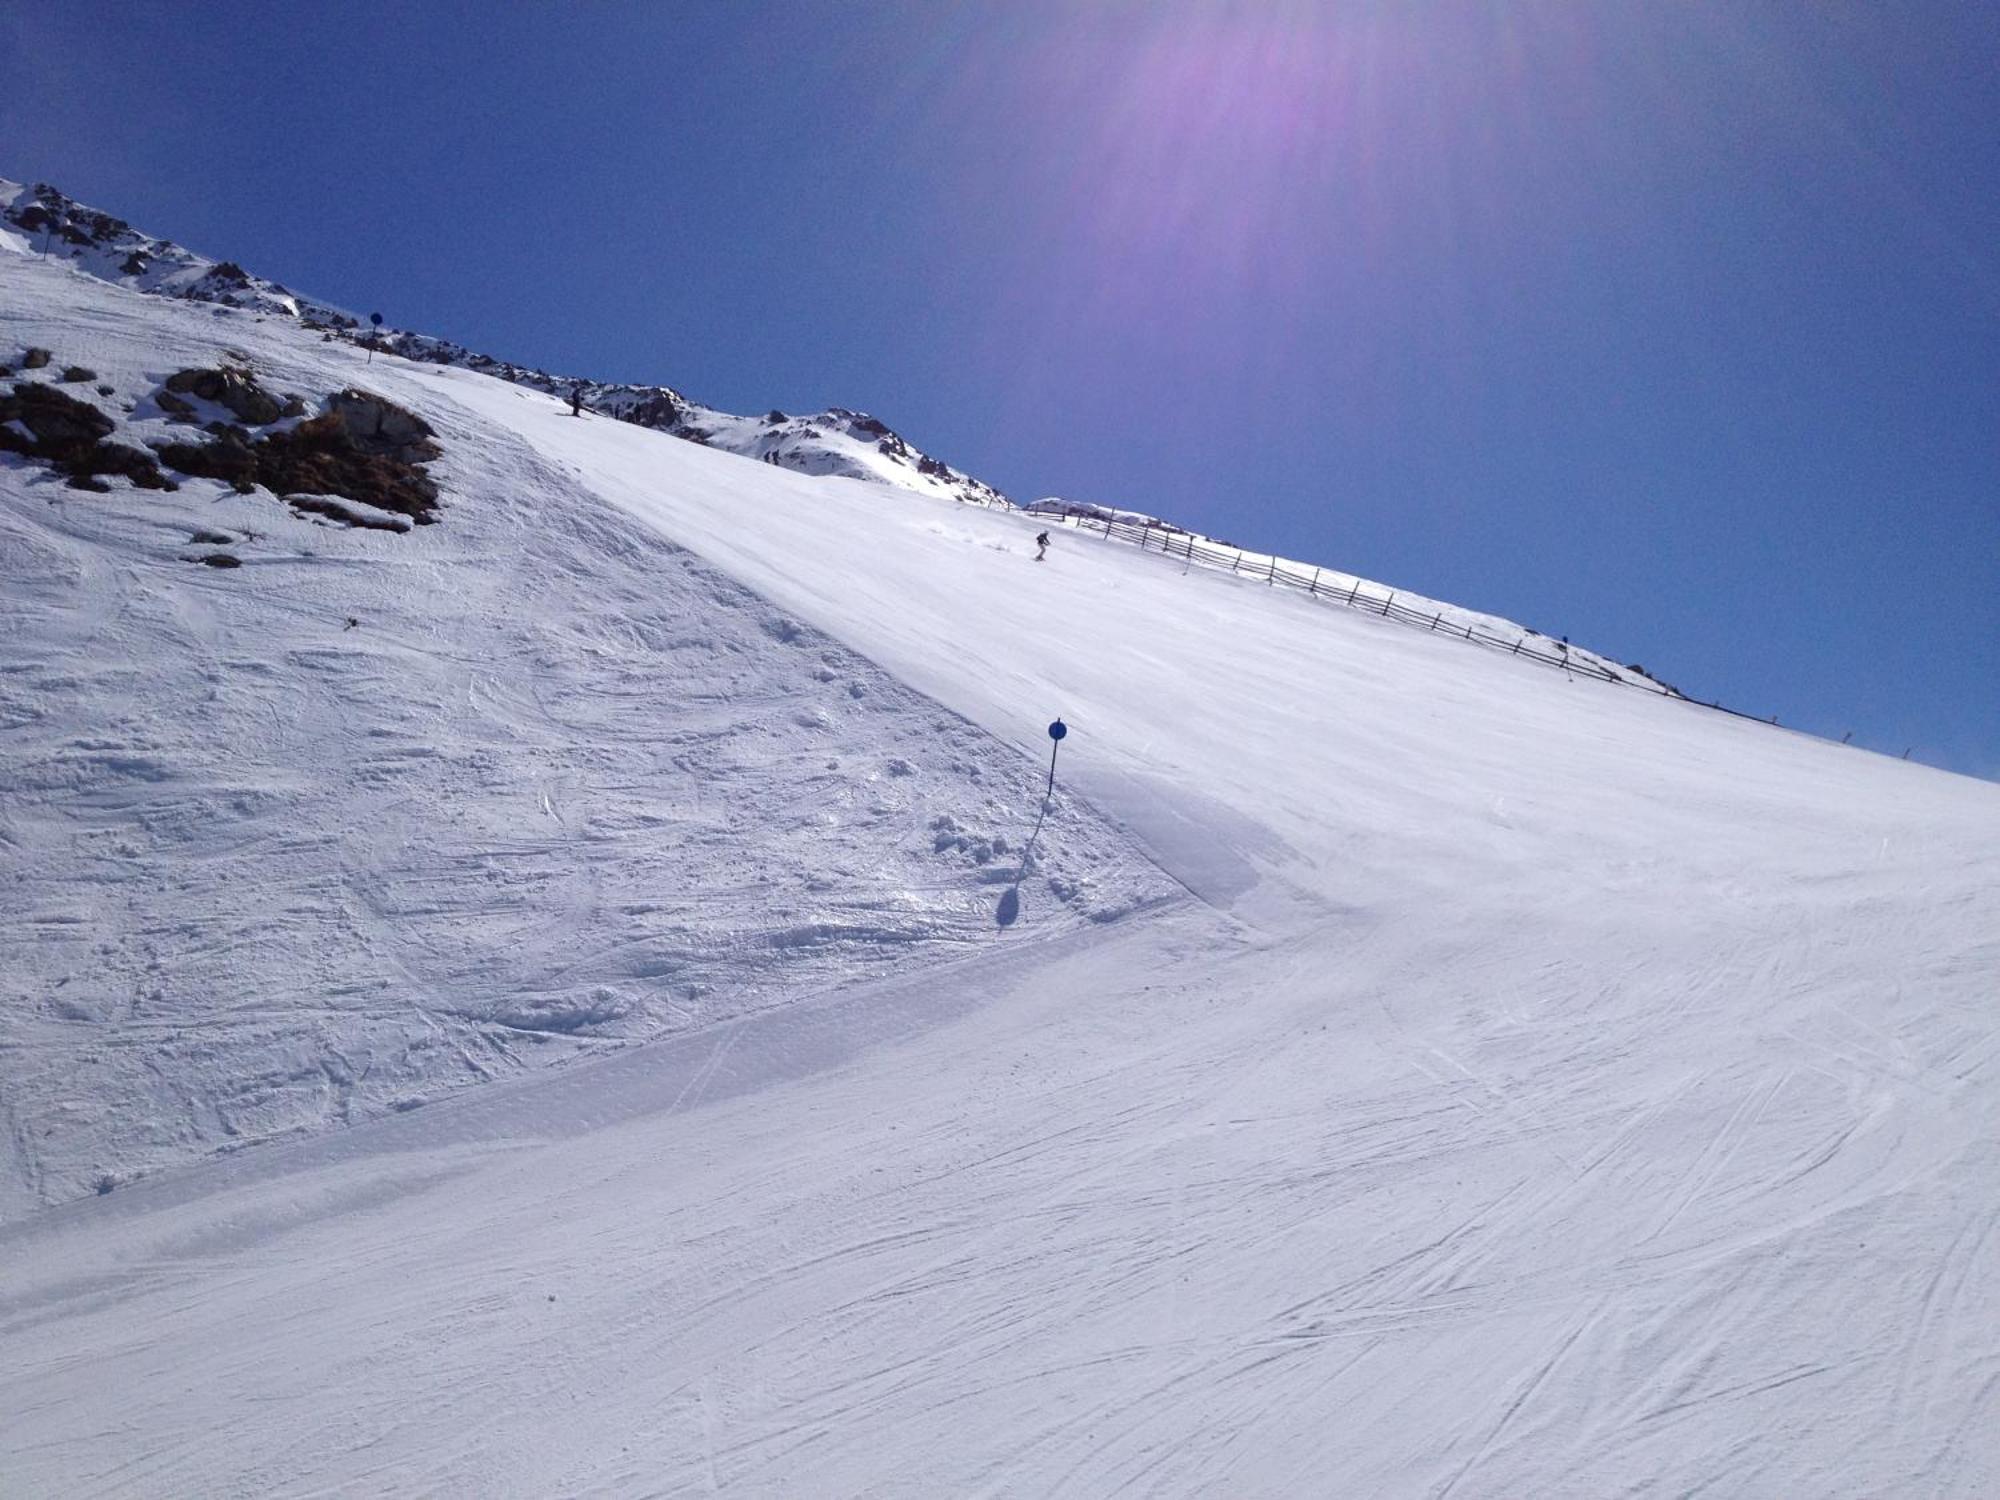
557	786
1511	1086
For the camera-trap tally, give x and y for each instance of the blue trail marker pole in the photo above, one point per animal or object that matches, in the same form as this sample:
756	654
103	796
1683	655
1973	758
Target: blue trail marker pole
1056	732
376	319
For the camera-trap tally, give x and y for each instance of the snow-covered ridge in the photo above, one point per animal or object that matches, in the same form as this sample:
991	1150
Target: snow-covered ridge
836	442
56	227
1061	508
41	220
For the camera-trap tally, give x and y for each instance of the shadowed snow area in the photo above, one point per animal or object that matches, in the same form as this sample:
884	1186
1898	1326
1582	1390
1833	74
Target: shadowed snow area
1496	1085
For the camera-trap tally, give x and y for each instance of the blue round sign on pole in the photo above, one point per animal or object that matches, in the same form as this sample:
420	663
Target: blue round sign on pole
1056	732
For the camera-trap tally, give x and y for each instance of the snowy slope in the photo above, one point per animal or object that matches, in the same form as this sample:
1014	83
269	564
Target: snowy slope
1333	585
1530	1088
376	815
834	442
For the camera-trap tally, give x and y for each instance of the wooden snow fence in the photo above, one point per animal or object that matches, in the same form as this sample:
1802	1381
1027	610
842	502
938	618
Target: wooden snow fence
1344	590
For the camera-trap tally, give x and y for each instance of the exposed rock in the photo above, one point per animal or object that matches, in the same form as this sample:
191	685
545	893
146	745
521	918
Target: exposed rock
231	459
382	427
376	465
135	464
340	510
174	406
35	359
68	435
75	223
77	375
659	410
233	390
53	417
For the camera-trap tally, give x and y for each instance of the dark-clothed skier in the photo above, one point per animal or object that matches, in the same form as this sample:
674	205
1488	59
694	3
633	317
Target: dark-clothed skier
1041	546
576	401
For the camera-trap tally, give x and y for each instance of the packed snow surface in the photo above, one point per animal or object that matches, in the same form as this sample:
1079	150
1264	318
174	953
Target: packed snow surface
1397	1069
372	816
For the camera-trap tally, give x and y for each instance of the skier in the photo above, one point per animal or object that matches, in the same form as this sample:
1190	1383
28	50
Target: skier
1041	546
576	400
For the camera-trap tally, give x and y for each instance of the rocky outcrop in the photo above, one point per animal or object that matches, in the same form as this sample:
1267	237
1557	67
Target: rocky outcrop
54	428
362	448
231	389
657	410
55	417
382	427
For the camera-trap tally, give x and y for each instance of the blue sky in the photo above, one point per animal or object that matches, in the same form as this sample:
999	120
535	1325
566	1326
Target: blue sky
1671	328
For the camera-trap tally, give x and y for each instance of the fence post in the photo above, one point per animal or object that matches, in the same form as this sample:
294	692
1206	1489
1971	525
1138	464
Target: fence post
1435	618
1236	562
1314	588
1272	581
1353	591
1517	648
1387	602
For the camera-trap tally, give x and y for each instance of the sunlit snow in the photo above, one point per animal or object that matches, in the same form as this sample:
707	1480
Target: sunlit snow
1394	1069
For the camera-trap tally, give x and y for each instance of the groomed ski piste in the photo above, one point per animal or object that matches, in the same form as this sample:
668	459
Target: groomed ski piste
586	998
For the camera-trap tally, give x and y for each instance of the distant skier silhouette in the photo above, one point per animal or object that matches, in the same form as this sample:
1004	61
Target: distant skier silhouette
1041	546
576	401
